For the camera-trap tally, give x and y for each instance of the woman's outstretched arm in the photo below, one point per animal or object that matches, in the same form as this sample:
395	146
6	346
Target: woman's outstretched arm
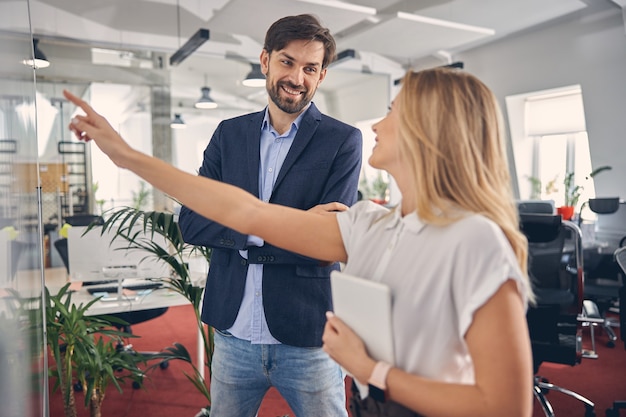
311	233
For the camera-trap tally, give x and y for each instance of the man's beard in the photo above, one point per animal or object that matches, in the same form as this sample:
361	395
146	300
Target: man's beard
288	104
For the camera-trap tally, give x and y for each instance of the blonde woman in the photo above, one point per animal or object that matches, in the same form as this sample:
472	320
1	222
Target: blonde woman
456	263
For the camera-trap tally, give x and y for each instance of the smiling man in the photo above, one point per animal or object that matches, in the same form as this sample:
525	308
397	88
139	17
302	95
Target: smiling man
268	305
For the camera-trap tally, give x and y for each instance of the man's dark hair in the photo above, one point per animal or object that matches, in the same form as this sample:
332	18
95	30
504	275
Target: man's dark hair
300	27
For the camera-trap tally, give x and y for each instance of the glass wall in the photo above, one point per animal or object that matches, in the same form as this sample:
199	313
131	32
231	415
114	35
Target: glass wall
23	359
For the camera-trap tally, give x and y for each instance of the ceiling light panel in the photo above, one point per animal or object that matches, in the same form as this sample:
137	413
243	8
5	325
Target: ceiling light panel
256	24
376	4
193	43
405	36
342	5
512	15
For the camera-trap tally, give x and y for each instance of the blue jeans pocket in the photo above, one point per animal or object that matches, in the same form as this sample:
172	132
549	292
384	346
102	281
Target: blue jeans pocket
223	333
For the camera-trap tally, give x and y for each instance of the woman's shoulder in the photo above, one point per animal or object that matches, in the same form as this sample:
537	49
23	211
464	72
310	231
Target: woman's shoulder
479	230
370	208
476	221
365	211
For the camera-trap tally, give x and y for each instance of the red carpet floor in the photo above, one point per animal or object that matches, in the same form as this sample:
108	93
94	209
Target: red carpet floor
168	393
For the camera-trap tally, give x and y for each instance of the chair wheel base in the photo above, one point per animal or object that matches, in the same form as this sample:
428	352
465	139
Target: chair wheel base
614	411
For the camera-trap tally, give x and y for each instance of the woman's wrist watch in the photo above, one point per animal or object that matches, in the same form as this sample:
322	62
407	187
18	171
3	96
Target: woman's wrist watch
377	383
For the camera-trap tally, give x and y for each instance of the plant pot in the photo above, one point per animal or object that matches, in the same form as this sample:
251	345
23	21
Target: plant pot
566	212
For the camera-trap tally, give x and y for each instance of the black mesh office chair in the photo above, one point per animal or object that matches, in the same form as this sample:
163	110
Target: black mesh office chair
602	279
556	272
620	260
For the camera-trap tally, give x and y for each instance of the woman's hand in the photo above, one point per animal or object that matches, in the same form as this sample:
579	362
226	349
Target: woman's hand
346	348
93	126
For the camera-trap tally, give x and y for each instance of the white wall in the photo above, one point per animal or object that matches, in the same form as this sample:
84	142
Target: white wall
587	49
365	101
351	104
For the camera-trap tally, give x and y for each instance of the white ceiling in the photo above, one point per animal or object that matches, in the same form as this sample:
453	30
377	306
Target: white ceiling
388	36
239	25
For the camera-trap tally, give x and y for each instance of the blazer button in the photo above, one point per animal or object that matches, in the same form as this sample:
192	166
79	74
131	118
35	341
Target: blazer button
271	259
243	262
221	241
259	258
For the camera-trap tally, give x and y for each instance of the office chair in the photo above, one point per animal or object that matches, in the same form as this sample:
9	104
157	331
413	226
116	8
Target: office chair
620	259
602	279
536	206
557	276
83	219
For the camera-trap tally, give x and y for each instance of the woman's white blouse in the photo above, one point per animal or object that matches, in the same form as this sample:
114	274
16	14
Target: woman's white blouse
439	277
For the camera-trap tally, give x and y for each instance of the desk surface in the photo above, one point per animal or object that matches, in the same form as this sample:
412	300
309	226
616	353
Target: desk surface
162	297
28	284
55	278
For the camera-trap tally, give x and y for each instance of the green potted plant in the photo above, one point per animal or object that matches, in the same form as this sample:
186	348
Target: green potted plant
126	223
377	191
85	353
535	188
598	170
572	194
141	197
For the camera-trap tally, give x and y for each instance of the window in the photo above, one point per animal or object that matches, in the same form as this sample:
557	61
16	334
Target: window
374	184
549	139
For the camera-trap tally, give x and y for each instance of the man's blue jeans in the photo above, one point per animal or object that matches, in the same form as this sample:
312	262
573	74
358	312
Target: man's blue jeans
241	374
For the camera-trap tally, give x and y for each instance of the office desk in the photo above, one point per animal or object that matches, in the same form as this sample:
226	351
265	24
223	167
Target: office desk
28	284
157	298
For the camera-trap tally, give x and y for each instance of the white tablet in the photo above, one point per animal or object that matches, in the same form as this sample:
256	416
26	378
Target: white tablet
365	306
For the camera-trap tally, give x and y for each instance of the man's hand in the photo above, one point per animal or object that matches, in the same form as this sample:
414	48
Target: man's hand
328	208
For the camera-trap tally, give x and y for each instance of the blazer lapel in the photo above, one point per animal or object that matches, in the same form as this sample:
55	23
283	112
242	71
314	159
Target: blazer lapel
253	149
308	126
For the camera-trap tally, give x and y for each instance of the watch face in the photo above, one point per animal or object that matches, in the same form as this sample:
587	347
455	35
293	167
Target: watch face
376	393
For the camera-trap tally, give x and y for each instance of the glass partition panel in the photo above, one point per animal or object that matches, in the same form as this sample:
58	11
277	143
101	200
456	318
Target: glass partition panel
23	354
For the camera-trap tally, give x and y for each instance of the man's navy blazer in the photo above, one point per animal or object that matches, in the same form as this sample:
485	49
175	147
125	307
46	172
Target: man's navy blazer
322	166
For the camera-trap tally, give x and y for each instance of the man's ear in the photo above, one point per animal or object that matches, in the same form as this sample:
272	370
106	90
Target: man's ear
322	76
265	61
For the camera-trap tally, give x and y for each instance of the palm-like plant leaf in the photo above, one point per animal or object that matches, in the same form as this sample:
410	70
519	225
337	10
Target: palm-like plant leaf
77	343
138	229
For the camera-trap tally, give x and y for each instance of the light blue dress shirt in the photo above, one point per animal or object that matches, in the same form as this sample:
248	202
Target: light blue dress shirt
250	323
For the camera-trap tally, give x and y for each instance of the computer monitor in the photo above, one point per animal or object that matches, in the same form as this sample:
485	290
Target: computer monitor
95	257
611	228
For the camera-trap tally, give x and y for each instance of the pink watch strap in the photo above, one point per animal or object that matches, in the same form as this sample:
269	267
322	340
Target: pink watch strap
379	375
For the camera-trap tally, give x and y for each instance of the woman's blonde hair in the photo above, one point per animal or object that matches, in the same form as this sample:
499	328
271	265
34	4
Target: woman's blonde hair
451	133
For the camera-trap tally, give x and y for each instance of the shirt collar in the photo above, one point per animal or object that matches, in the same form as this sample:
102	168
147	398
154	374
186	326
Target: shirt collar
411	222
295	124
